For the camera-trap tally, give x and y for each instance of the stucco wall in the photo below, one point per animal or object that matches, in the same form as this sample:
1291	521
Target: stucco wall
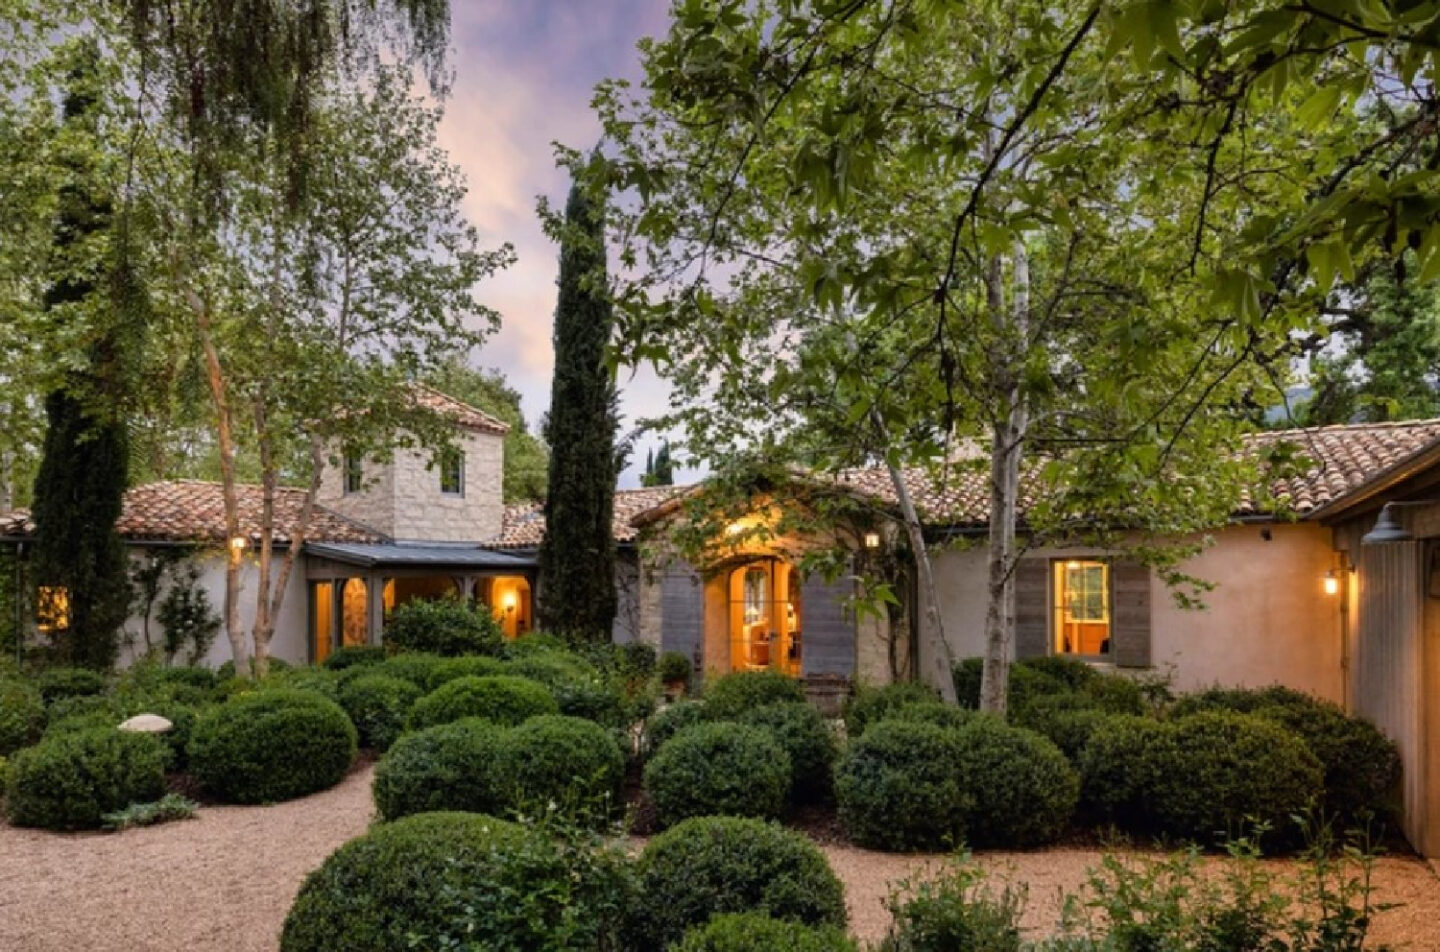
291	628
1266	621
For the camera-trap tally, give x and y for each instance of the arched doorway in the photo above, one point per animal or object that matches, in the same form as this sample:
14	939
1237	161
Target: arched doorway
354	613
765	617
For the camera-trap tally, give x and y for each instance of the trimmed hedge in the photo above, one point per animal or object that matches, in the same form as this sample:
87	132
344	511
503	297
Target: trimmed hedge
319	681
57	683
379	707
719	769
669	721
757	932
22	715
414	667
504	699
1017	788
932	712
460	881
472	666
271	746
442	626
457	766
897	788
870	705
350	656
1362	765
1025	683
733	694
572	763
70	781
806	738
1119	768
711	865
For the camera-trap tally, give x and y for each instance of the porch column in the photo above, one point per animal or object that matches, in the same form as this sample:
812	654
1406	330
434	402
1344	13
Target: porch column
374	608
337	613
465	585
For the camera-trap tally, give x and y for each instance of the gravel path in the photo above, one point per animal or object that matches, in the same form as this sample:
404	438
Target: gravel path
224	881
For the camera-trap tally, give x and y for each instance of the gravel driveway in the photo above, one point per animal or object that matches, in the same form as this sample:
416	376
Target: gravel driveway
224	881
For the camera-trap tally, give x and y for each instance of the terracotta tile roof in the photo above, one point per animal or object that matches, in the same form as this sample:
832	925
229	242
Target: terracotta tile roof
524	523
462	413
188	510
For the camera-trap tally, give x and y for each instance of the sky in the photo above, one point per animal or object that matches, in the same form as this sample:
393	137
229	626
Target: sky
523	75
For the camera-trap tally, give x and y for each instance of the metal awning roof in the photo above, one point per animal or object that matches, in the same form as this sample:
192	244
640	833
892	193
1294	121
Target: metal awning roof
420	554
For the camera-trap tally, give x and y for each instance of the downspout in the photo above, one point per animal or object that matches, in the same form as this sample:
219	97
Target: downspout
1346	575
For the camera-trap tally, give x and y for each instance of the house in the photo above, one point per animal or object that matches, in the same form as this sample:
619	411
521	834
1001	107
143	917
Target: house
1314	598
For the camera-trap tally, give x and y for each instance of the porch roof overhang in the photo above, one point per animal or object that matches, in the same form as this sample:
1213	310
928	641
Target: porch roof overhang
430	555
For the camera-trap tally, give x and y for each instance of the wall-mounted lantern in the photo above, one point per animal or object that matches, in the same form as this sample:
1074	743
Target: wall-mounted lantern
239	543
1331	583
507	602
872	540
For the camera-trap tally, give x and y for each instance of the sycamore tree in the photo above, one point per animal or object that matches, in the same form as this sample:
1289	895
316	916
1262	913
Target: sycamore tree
869	233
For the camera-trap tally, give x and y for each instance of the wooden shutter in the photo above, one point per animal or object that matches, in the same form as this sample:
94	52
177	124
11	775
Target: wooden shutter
827	627
1130	614
1032	608
682	615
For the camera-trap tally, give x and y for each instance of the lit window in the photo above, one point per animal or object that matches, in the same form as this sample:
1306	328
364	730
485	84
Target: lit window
452	472
52	608
1082	608
354	471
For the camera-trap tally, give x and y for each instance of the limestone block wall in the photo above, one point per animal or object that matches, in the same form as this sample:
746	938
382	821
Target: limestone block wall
373	505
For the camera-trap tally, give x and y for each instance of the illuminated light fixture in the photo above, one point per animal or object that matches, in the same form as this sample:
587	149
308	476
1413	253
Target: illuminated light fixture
1072	565
1332	583
734	529
239	543
872	540
507	602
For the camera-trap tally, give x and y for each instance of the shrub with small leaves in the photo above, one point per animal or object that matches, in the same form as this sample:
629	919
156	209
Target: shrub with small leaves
1066	719
226	671
470	666
1018	789
349	656
869	705
719	769
757	932
1025	682
933	712
70	781
419	669
379	707
456	766
733	694
674	668
319	681
1119	768
566	765
172	806
804	735
1362	765
669	721
22	715
504	699
541	642
443	626
713	865
898	788
271	745
1241	700
57	683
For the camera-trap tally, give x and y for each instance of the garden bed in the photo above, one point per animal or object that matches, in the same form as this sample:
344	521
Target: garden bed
225	881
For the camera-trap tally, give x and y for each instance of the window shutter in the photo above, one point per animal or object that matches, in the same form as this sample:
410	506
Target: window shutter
1032	609
1130	626
682	615
827	628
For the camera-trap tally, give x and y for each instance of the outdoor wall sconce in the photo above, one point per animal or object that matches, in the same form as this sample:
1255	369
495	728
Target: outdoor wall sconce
1388	529
1331	583
508	602
872	540
239	543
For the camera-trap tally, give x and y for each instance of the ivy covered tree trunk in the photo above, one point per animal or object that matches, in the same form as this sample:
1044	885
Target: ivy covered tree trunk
79	562
577	557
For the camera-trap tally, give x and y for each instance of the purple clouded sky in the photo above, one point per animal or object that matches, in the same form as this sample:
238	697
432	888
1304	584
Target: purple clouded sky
524	72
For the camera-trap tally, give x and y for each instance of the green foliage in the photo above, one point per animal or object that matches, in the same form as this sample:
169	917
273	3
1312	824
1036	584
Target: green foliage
416	668
670	720
674	668
733	694
719	769
806	739
442	626
1362	765
537	642
70	781
868	705
460	881
955	911
187	619
351	656
226	671
1068	720
1026	683
577	555
271	745
22	715
713	865
757	932
320	681
1120	765
897	788
57	683
1241	700
566	766
932	712
172	806
379	707
474	666
504	699
1018	789
456	766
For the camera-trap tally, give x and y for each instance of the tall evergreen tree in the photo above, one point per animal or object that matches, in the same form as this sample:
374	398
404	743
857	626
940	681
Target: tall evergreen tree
577	558
79	562
664	468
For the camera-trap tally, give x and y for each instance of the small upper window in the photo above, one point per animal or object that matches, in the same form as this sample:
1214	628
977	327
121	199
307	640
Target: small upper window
354	471
452	472
1082	608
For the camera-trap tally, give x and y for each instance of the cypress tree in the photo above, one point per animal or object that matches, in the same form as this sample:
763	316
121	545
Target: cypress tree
577	557
81	482
664	469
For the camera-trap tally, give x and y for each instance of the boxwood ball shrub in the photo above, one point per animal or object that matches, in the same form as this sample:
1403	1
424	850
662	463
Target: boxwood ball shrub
504	699
70	781
870	704
1025	682
1362	765
670	720
551	668
713	865
470	666
442	626
1241	700
674	668
1120	767
804	735
1018	789
22	715
314	680
57	683
719	769
733	694
570	762
757	932
379	707
271	745
932	712
349	656
457	766
459	881
415	667
898	788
